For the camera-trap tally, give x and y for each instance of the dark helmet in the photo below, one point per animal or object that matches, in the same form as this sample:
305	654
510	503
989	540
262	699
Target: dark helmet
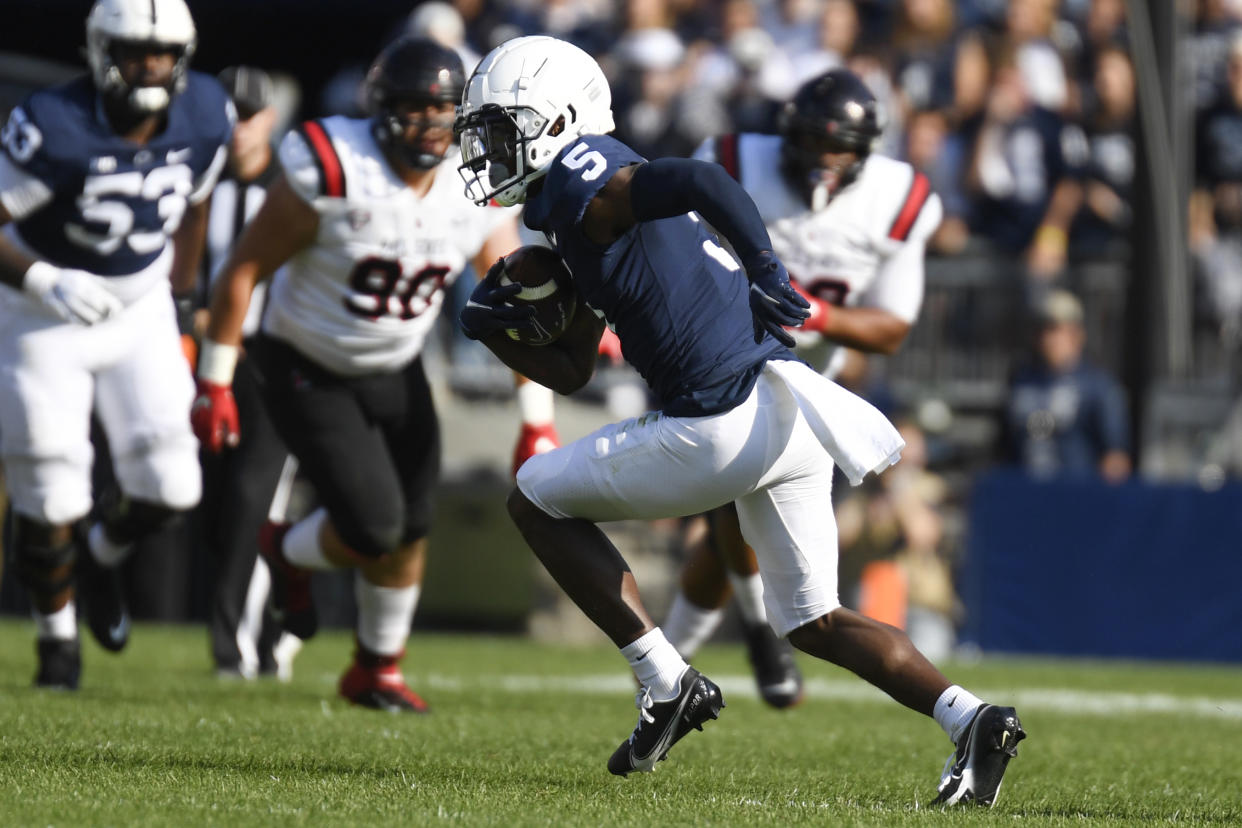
411	70
834	112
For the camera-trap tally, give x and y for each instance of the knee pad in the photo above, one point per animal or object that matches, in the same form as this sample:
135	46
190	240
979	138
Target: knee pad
373	542
44	569
129	520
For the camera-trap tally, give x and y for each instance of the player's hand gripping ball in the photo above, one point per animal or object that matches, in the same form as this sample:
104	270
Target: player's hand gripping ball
547	286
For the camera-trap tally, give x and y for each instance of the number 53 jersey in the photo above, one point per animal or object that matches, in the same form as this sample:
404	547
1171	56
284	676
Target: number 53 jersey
83	197
363	297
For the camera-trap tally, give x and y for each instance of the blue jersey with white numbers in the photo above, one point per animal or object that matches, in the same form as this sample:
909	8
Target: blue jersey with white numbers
677	301
114	203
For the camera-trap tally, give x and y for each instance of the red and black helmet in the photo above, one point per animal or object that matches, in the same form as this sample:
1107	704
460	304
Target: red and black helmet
412	71
836	107
834	112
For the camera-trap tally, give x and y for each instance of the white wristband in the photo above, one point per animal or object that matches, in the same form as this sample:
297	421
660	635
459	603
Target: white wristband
216	362
39	278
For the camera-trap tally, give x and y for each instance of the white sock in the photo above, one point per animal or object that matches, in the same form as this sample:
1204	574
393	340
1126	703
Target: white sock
104	550
61	625
748	592
384	615
954	710
535	403
688	625
656	664
301	545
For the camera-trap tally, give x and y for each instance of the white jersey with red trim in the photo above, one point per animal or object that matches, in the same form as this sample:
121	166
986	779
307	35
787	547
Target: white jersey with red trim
364	296
864	248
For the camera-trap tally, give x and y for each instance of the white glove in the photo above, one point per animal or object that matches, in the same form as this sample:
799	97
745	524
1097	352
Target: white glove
71	295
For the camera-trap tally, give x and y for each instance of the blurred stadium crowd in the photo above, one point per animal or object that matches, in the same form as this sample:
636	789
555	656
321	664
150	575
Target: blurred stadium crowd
1025	116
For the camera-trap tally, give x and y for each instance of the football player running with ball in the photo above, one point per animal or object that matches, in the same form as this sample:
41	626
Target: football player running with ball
104	186
370	225
851	227
744	420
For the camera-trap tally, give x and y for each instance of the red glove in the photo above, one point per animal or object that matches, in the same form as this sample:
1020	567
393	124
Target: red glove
820	310
534	439
610	347
214	416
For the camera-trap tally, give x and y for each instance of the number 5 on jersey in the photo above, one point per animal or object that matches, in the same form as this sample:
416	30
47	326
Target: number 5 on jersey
580	157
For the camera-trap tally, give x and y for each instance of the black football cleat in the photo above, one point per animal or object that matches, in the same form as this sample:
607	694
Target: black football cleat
290	597
975	770
776	673
662	724
60	663
102	599
376	682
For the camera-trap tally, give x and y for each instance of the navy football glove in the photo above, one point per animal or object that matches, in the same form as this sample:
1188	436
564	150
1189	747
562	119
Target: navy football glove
773	301
488	310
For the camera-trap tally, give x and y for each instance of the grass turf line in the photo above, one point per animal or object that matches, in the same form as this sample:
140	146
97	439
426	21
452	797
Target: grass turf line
520	732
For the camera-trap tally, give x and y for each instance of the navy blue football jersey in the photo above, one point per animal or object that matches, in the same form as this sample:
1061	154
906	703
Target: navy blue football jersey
676	299
110	204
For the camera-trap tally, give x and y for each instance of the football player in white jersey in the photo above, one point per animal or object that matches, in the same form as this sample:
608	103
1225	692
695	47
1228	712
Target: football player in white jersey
371	225
103	193
851	227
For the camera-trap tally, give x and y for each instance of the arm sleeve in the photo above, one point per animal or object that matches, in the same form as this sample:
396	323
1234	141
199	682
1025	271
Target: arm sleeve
670	187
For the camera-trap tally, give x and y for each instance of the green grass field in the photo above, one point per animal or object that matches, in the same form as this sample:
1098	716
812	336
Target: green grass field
520	732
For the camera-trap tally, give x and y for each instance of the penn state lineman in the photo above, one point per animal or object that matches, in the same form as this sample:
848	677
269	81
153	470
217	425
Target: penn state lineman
373	225
851	227
744	420
103	190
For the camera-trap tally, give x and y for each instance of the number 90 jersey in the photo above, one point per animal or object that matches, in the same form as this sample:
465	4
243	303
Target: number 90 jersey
363	297
864	249
83	197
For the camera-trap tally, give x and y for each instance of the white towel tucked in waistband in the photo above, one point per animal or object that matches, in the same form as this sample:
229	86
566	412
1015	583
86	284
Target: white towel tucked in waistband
859	438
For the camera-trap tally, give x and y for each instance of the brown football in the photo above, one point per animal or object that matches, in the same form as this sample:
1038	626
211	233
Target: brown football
547	285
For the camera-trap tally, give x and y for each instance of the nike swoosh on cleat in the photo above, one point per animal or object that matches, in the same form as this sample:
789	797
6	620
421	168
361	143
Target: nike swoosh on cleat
662	744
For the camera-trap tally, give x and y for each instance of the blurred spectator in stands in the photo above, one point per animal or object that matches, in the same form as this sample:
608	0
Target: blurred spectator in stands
1029	27
1103	27
925	54
792	24
1023	174
1216	204
1216	26
438	21
586	23
1064	415
937	152
742	73
488	24
442	23
1102	225
837	36
651	108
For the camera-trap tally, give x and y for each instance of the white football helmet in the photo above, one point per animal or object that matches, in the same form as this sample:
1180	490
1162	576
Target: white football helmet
162	22
528	99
